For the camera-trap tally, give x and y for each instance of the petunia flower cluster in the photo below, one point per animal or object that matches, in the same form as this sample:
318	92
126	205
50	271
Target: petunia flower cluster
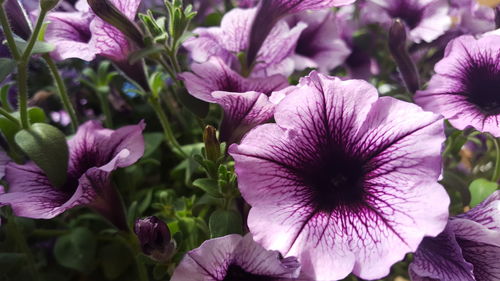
355	140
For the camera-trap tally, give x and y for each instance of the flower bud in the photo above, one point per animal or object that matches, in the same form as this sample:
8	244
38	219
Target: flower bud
110	14
212	145
399	51
47	5
154	238
497	17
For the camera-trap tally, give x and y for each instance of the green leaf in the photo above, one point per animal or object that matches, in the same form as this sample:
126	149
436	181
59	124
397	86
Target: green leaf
153	141
76	250
7	66
47	147
39	47
210	186
480	189
115	259
144	53
224	222
160	271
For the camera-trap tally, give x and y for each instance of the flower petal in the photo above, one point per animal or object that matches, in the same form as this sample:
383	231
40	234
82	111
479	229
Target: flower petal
215	75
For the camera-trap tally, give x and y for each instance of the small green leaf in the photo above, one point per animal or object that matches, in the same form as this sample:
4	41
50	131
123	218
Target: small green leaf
39	47
76	250
7	66
480	189
47	147
153	141
224	222
210	186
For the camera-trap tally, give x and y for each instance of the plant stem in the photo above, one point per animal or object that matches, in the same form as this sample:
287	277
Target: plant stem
9	116
22	84
8	33
22	72
63	93
20	241
103	100
167	130
133	245
496	172
34	36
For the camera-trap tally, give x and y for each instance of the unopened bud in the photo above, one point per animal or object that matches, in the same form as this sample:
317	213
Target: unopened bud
399	51
47	5
154	238
497	16
110	14
212	144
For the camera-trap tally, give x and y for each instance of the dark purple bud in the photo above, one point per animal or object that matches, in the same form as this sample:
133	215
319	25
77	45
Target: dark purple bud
399	51
497	16
18	18
110	14
212	145
154	237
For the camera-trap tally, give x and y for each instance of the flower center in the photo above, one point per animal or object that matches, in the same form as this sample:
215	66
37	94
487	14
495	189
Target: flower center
236	273
481	82
410	13
336	180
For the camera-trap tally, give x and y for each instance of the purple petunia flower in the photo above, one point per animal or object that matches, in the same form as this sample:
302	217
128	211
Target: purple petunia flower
231	38
425	19
234	258
465	88
344	180
319	45
154	237
271	11
468	249
81	34
94	153
472	17
247	102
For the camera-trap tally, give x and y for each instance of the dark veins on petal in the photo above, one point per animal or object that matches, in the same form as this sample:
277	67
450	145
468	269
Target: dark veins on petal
236	273
410	13
480	81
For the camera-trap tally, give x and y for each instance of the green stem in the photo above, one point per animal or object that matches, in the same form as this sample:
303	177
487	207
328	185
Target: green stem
8	33
9	116
133	245
20	241
103	100
169	135
34	36
22	84
63	93
496	172
22	72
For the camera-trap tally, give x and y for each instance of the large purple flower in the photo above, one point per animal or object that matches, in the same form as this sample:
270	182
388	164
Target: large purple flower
81	34
231	39
94	153
319	45
425	19
468	249
466	86
234	258
344	180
